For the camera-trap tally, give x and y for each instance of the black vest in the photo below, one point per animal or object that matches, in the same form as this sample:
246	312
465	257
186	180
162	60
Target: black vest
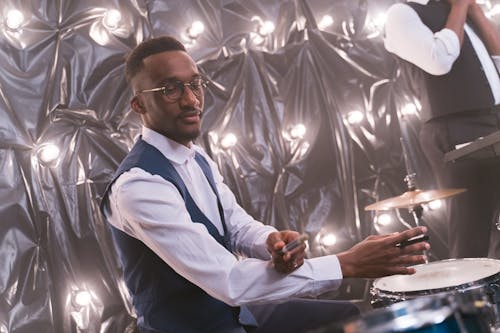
464	88
165	301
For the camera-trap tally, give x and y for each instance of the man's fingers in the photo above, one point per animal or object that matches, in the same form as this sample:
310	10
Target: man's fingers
393	240
409	260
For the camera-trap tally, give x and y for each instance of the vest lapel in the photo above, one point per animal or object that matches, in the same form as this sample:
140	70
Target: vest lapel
205	167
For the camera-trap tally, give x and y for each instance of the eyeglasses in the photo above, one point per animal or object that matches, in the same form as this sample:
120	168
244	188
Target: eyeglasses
174	90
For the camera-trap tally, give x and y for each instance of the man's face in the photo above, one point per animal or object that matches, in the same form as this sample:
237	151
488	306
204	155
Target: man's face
180	119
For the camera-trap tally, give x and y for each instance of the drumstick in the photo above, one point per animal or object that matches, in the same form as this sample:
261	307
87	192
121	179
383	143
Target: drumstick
410	241
293	244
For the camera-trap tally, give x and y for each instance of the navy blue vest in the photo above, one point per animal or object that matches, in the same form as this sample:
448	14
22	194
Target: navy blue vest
464	88
164	300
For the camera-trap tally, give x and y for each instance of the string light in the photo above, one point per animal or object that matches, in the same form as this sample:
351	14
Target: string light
195	30
266	28
379	20
328	240
82	298
298	131
295	132
111	19
262	30
493	11
15	19
228	141
409	109
325	22
48	153
383	219
191	34
435	204
355	117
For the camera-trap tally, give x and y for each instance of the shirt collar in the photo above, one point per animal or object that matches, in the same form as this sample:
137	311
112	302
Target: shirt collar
172	150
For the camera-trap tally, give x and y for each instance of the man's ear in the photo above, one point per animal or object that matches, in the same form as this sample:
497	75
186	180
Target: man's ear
136	105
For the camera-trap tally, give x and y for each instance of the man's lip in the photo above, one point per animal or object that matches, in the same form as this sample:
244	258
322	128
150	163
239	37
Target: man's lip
189	114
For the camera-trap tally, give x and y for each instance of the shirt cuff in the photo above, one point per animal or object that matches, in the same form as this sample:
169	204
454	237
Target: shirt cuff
260	246
450	41
326	268
326	274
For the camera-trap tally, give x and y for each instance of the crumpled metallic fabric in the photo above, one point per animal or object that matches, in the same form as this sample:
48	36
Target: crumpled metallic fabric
62	83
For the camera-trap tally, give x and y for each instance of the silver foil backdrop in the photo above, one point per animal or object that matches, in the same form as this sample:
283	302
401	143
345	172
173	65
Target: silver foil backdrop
315	114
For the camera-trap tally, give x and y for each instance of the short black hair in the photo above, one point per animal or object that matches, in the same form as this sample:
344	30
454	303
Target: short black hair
134	61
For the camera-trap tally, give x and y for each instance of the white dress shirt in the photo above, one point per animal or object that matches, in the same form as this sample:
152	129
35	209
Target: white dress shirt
435	53
152	210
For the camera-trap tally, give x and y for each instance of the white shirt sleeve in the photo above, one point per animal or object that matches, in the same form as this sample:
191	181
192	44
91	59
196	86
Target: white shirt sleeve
410	39
496	60
151	209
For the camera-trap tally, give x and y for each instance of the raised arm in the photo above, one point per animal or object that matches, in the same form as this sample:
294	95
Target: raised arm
457	17
490	34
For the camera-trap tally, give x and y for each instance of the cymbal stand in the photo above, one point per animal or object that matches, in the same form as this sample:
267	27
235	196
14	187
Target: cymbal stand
411	182
417	211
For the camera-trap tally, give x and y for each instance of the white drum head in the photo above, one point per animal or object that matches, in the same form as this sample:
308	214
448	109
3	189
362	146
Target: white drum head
440	275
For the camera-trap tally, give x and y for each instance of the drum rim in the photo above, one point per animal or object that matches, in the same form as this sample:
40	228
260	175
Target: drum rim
382	319
460	287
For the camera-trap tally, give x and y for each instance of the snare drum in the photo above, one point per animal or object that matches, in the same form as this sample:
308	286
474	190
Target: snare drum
429	314
477	276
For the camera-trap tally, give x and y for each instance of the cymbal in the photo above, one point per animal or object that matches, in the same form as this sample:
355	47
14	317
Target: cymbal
414	198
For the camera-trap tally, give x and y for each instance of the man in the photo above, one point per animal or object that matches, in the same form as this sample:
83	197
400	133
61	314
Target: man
450	53
176	225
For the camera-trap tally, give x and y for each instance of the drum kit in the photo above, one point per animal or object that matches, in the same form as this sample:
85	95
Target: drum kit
449	296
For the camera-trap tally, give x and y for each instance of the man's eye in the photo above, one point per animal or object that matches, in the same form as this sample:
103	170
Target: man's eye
169	89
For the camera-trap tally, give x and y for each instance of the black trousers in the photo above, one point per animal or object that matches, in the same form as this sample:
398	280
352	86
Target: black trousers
473	215
302	316
294	316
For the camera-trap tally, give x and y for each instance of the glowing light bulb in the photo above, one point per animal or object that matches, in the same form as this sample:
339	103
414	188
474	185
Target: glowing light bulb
228	141
379	20
298	131
325	22
266	28
196	29
14	19
328	240
355	117
495	10
409	109
112	19
82	298
383	219
435	204
48	153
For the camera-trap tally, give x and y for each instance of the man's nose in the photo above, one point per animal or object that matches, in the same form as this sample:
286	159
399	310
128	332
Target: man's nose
188	98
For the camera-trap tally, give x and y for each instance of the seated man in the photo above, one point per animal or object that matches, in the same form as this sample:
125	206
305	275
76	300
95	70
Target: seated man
176	224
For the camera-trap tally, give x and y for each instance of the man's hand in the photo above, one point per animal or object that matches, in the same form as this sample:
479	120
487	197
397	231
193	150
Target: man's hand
289	261
378	256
